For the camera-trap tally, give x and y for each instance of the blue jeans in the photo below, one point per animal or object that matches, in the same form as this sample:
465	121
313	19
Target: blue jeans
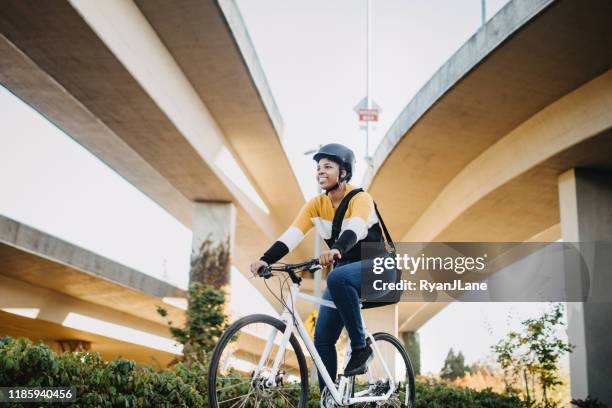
344	288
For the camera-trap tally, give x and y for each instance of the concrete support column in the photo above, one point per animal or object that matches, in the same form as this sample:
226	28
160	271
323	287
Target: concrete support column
413	347
585	202
383	319
214	227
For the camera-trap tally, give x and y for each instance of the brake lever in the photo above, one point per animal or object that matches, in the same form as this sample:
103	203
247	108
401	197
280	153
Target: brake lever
265	272
314	268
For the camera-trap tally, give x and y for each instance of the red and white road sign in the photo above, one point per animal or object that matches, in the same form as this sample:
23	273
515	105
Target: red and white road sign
367	112
368	115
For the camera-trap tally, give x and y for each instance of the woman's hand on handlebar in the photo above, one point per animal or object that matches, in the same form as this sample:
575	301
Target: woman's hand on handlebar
328	257
256	266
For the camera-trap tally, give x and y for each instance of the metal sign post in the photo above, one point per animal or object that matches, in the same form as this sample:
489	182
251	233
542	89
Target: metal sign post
366	115
483	12
368	76
367	110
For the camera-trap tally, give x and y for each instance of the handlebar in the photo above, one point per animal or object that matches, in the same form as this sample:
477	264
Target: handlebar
308	266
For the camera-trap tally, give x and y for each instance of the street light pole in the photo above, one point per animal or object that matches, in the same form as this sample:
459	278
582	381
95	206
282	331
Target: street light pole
483	12
368	159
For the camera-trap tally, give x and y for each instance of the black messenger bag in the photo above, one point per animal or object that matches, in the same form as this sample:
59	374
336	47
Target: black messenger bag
389	249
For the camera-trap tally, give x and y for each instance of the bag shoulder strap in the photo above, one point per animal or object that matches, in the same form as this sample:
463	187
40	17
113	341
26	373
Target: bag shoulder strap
339	216
384	228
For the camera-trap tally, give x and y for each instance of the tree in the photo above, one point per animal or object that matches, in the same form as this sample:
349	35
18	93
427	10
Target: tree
454	366
205	321
534	353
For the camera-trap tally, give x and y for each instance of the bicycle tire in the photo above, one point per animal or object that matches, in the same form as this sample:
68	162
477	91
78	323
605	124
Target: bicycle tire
235	328
410	379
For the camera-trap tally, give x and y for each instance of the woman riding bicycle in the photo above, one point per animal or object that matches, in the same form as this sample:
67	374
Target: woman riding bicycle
335	164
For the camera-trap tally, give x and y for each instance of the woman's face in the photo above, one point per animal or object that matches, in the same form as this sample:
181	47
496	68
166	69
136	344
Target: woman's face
328	173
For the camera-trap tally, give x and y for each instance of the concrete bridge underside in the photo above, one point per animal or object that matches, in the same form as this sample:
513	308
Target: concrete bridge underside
159	91
57	292
480	147
54	291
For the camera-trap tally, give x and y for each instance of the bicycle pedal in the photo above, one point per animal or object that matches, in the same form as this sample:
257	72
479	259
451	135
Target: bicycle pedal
365	370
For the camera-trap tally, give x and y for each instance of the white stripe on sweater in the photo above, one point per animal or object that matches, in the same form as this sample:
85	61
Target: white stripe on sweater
292	237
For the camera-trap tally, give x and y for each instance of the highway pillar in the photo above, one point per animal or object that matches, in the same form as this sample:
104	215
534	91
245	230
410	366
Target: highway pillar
585	203
214	227
412	344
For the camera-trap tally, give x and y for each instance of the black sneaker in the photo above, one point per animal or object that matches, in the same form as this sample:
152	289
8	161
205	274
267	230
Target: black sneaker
358	362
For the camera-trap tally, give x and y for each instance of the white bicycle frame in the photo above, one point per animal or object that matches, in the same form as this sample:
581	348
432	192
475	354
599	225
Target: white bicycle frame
341	394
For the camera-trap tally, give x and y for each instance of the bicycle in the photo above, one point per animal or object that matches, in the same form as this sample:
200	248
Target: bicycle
279	375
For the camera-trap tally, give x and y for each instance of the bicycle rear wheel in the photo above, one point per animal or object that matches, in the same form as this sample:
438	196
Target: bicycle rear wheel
232	378
375	381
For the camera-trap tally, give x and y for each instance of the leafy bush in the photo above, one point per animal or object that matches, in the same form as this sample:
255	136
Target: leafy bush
98	383
124	383
589	402
205	320
127	384
432	394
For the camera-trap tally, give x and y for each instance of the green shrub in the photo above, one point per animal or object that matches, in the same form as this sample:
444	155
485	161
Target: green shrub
123	383
441	395
119	383
205	319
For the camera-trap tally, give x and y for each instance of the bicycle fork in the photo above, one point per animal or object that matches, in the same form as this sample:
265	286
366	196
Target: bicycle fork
301	332
287	318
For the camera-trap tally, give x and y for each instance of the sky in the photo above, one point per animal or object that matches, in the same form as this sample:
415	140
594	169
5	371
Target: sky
313	55
50	182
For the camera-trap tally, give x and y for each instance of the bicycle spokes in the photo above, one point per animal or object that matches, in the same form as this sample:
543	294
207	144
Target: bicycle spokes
244	373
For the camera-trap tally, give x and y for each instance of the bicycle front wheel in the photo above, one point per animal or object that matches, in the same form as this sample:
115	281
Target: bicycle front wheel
241	367
375	382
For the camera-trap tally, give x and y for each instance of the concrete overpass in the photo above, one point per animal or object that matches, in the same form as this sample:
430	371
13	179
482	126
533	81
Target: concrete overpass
162	92
73	299
487	148
54	291
475	147
159	92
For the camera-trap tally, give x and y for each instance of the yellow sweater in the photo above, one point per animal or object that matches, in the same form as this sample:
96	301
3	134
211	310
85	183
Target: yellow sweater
360	218
319	212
